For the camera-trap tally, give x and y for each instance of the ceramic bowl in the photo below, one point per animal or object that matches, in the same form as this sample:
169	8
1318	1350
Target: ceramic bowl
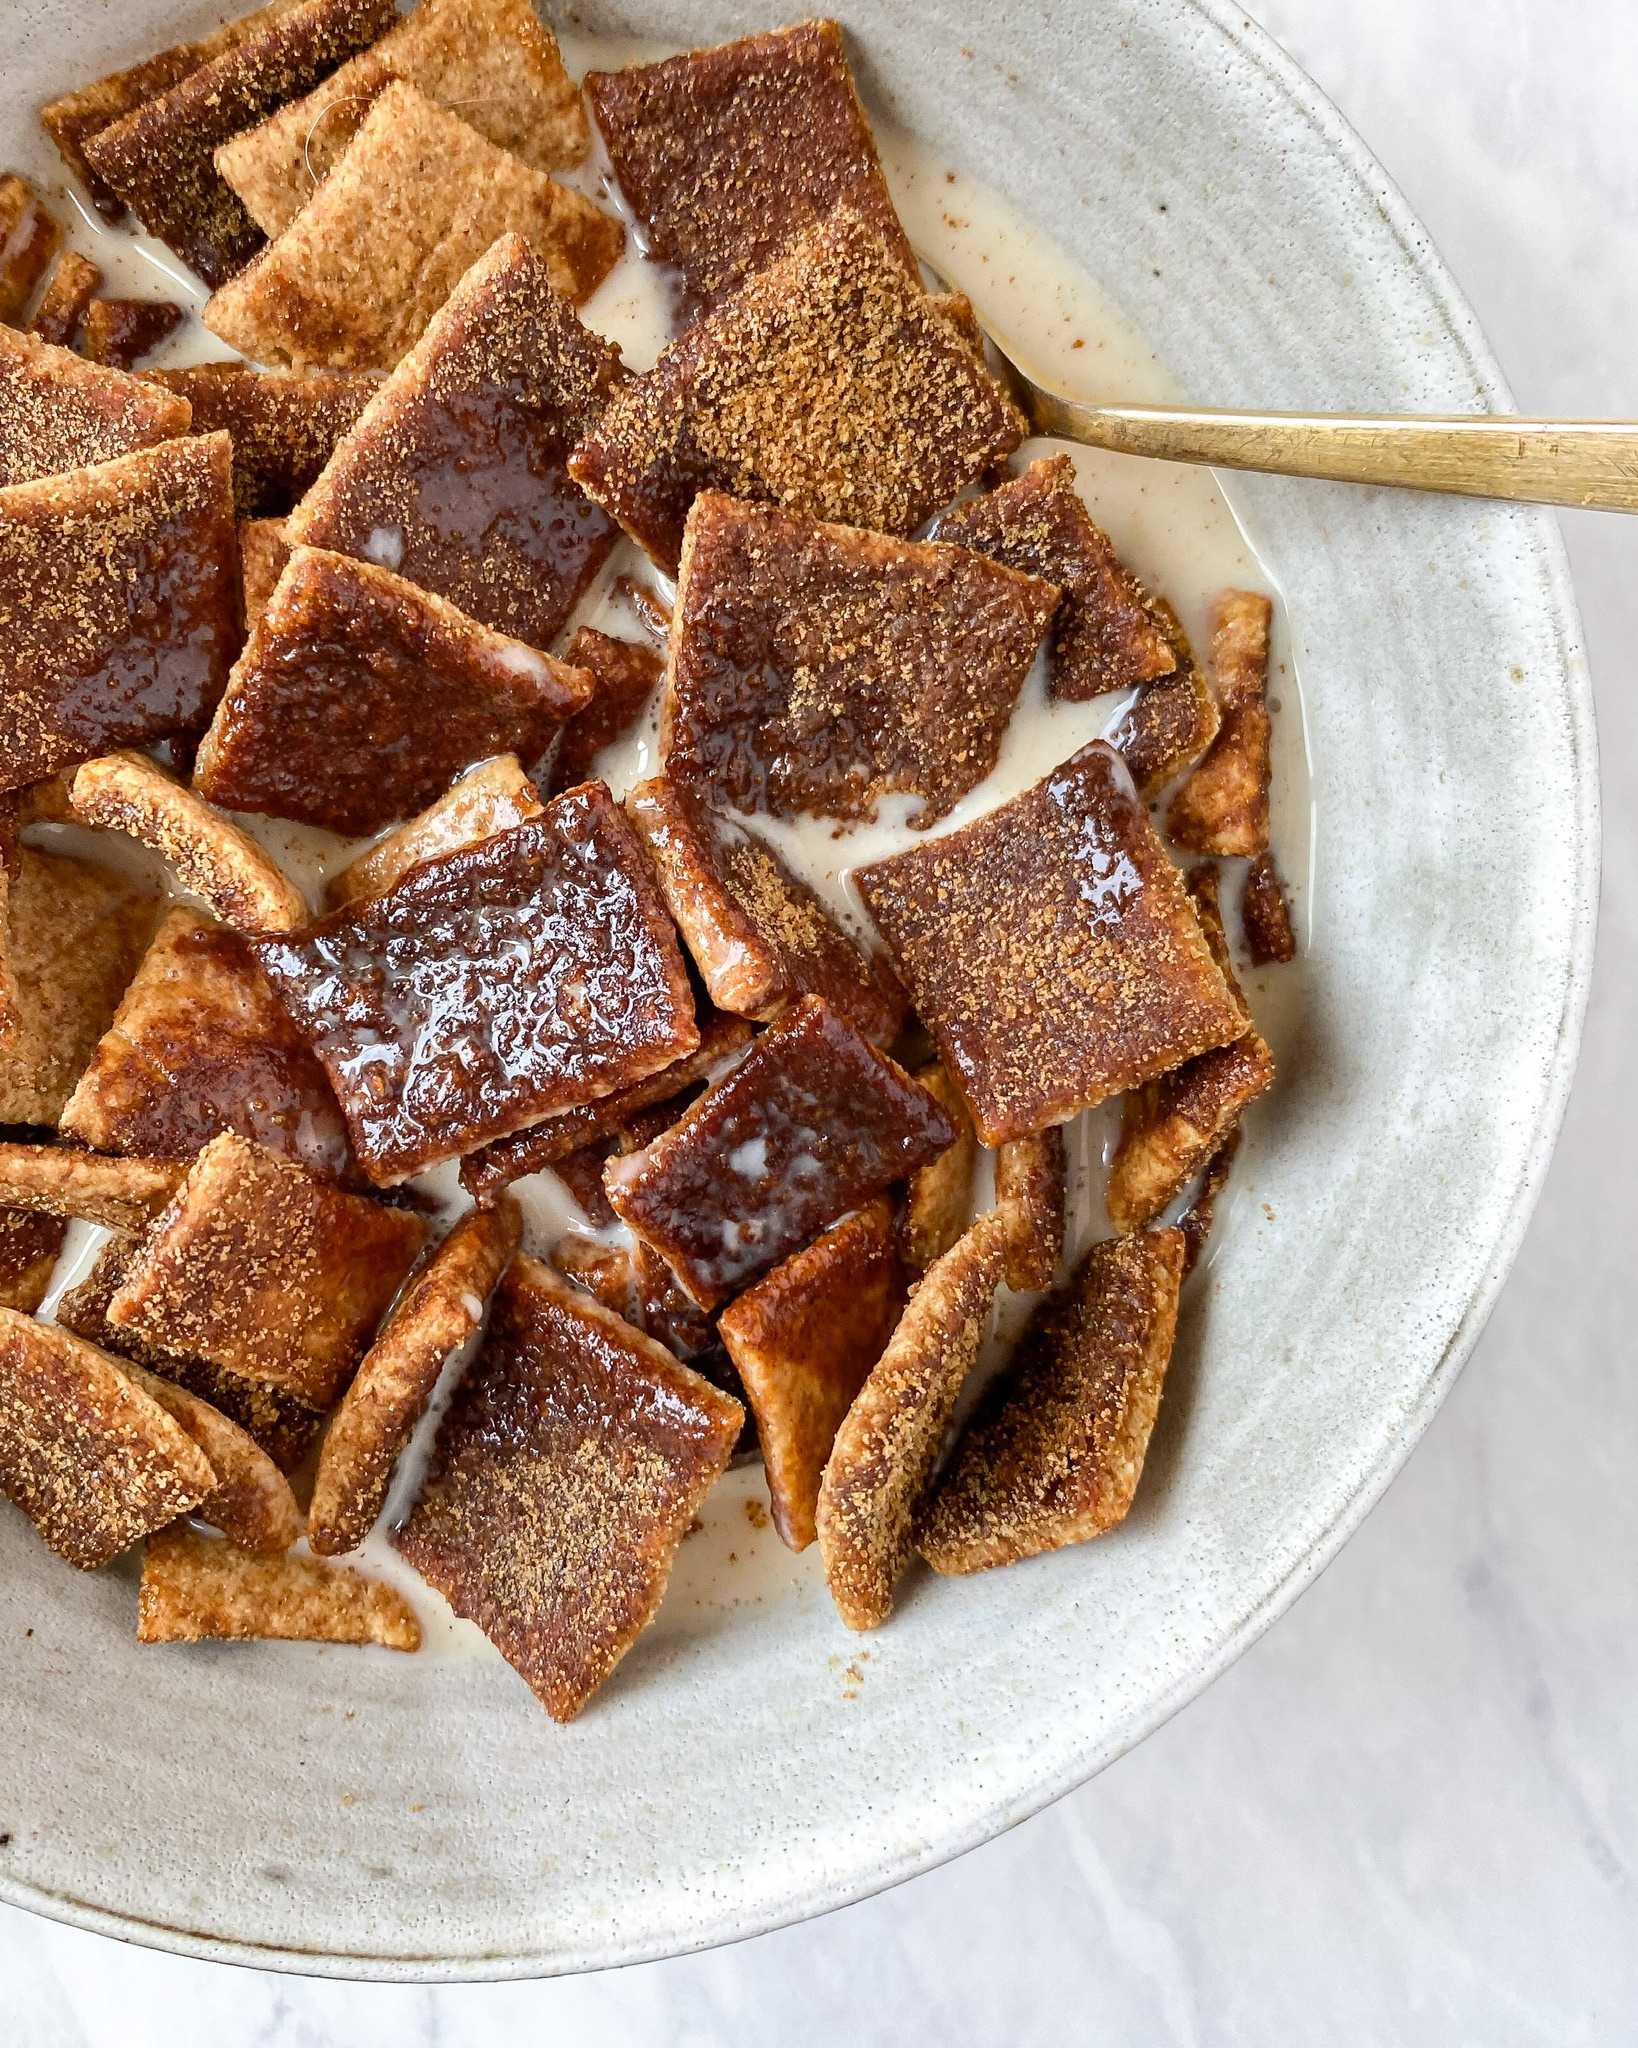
331	1811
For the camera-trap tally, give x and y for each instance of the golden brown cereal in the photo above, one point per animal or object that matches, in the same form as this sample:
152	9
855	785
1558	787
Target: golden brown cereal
120	1194
59	412
62	304
1223	807
490	798
940	1202
626	676
198	1588
118	333
284	426
882	1462
1030	1175
1174	718
263	552
252	1502
571	1464
1055	1450
1265	915
29	1248
1196	1221
29	237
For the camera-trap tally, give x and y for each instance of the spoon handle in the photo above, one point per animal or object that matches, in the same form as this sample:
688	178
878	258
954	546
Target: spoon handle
1543	462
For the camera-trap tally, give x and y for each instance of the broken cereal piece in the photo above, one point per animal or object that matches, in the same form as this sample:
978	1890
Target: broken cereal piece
74	934
129	792
1223	807
200	1045
1196	1221
63	302
29	238
118	333
1265	915
284	426
828	383
119	604
120	1194
492	61
881	1464
1055	1449
359	695
263	552
626	676
940	1202
726	154
759	936
414	200
252	1502
1030	1176
441	1309
491	798
811	1123
1052	950
491	986
157	159
571	1464
198	1588
259	1267
92	1460
804	1339
59	412
455	475
29	1248
1173	720
1105	635
817	669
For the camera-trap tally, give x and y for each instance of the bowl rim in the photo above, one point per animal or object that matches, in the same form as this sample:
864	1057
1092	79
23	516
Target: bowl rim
1255	47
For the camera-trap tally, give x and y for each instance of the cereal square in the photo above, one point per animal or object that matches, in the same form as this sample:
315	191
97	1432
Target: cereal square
626	676
118	333
60	412
68	292
29	238
263	552
61	1180
251	1502
1173	719
939	1201
491	798
1223	807
1031	1176
30	1245
284	426
198	1588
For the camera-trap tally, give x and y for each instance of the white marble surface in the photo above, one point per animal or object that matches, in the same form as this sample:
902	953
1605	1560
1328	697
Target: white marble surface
1410	1814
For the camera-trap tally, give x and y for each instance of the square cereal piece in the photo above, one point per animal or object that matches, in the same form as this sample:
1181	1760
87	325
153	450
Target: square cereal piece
491	986
119	1194
492	61
59	412
759	935
74	934
939	1203
284	426
440	1310
29	238
455	474
572	1462
804	1340
1265	915
119	604
1173	719
118	333
818	668
92	1460
811	1123
129	792
1196	1221
259	1267
1223	807
626	676
282	1423
157	159
1031	1176
263	552
252	1502
726	154
63	302
415	199
1052	950
1054	1452
198	1588
491	798
1105	635
828	382
881	1464
200	1045
358	696
30	1245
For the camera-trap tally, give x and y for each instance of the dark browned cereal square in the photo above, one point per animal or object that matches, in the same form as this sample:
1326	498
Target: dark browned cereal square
118	333
59	412
490	798
1223	807
1173	719
284	425
62	304
626	676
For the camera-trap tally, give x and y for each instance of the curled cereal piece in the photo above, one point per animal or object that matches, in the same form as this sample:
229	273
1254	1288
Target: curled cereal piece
252	1501
30	1246
1029	1192
197	1587
941	1192
129	793
1223	807
120	1194
57	316
1174	718
1266	915
487	799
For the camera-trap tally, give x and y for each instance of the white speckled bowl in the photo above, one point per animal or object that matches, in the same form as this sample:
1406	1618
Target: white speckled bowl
369	1816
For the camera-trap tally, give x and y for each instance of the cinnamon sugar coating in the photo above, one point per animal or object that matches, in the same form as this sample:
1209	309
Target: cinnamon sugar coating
120	1194
455	476
263	552
198	1588
881	1464
1052	950
1105	635
261	1268
118	333
92	1460
158	159
415	199
62	306
440	1310
284	426
358	696
1030	1189
1223	807
251	1502
626	676
571	1464
490	798
811	1123
759	936
30	1245
939	1203
492	61
1055	1450
59	412
828	383
725	154
818	668
491	986
1174	718
200	1045
804	1339
29	238
1265	915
